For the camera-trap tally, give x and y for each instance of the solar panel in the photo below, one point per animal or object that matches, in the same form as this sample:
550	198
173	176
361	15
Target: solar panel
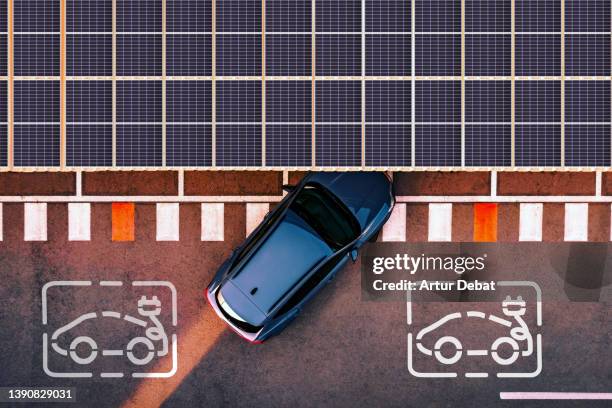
296	83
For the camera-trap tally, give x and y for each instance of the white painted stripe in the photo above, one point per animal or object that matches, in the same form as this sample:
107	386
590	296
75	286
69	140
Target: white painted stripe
530	224
79	221
167	222
212	222
35	222
395	228
255	213
1	223
576	222
555	395
440	222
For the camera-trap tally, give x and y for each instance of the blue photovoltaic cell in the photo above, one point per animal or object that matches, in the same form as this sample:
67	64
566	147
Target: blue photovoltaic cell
3	148
538	15
587	101
388	55
488	16
338	55
139	54
587	54
36	15
538	145
388	16
587	145
189	55
587	15
37	54
338	16
538	54
189	145
189	101
288	101
438	55
36	145
388	145
89	16
488	101
238	145
3	127
37	101
338	145
89	54
288	15
189	16
3	50
388	101
338	101
238	16
438	101
238	101
438	15
488	145
3	23
89	145
288	145
288	55
488	55
538	101
139	101
3	104
139	16
438	145
139	145
239	55
89	101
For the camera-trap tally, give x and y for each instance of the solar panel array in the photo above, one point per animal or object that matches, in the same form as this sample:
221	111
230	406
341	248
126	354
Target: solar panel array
313	83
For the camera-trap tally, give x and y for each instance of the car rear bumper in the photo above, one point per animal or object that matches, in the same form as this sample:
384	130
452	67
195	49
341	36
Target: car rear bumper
250	337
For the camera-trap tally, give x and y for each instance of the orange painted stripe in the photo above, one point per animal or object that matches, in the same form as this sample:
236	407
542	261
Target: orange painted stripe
123	221
485	222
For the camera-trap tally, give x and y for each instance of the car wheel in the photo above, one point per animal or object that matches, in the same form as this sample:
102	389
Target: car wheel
438	350
150	353
93	350
515	350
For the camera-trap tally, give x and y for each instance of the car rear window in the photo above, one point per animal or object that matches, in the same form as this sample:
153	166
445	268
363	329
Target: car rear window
326	215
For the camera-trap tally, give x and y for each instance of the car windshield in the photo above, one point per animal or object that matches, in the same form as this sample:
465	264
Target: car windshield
326	215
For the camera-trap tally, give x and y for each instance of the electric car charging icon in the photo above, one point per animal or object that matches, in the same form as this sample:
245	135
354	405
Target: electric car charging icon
517	341
513	308
154	333
147	334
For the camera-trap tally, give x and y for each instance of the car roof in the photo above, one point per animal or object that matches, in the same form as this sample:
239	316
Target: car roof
286	256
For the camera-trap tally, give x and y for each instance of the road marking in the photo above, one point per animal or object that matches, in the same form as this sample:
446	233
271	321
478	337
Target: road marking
255	213
395	228
576	222
555	395
123	221
35	222
530	224
485	222
440	222
79	221
167	222
212	222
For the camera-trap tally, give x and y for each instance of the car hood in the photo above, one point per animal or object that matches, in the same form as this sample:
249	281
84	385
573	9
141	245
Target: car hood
364	193
282	260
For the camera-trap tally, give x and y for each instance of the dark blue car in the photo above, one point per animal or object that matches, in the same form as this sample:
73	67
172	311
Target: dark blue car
297	249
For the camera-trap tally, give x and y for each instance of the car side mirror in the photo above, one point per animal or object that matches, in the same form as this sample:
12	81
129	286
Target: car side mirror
354	254
288	187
